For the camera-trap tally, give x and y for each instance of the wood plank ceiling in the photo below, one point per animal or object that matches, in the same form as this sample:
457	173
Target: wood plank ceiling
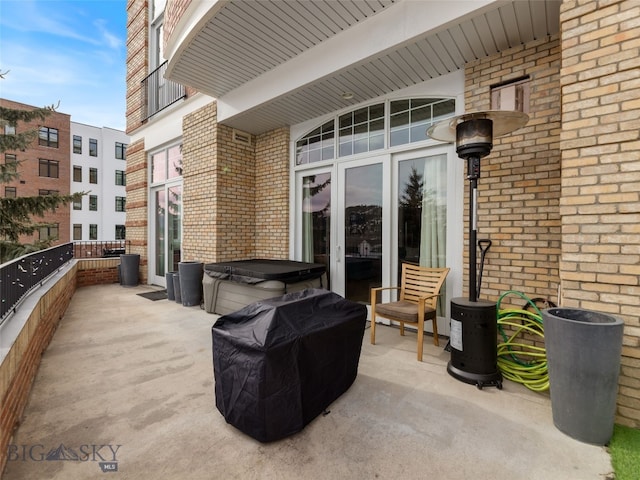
246	39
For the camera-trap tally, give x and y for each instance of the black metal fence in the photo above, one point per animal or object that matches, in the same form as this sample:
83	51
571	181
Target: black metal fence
158	92
101	249
22	275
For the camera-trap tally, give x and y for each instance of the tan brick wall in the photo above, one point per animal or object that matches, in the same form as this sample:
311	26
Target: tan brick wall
30	182
137	204
600	141
20	366
272	195
519	187
173	11
137	60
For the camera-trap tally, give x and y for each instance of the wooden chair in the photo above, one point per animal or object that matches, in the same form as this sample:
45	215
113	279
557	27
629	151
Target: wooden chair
419	291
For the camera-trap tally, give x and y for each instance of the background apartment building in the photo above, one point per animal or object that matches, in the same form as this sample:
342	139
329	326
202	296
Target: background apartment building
44	169
98	164
69	157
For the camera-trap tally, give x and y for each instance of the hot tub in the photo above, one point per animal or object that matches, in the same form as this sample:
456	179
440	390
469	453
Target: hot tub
230	286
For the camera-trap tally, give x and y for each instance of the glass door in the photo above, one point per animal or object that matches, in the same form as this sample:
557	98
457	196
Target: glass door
362	242
167	232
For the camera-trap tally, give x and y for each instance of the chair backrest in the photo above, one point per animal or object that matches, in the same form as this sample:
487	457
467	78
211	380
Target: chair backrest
420	281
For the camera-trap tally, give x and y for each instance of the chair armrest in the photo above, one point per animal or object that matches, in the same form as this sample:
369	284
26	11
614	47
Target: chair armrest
374	292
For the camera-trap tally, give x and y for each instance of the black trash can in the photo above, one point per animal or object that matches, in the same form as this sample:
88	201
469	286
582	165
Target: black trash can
583	353
177	289
129	269
191	282
168	278
278	363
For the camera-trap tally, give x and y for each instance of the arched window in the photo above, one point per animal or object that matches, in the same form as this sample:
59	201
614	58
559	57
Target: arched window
366	129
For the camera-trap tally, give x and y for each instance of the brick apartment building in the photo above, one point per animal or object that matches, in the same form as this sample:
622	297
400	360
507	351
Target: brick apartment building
44	168
267	133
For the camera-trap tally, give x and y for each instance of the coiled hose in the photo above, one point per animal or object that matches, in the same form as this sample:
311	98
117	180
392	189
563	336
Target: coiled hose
518	361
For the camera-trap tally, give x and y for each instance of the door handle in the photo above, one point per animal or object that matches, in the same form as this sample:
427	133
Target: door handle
338	253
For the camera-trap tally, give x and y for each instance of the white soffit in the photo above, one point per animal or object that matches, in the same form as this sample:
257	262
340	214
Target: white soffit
277	63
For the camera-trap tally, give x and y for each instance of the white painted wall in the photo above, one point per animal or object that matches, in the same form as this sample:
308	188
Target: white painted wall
106	189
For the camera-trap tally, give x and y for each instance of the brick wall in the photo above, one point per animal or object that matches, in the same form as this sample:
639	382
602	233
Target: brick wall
137	60
519	187
137	204
97	271
272	195
173	11
600	140
30	182
20	366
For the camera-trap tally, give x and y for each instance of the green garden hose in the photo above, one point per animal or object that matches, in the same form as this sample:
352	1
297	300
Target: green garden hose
519	360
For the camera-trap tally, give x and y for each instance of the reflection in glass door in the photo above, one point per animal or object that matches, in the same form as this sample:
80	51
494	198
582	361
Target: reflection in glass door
363	232
167	227
316	219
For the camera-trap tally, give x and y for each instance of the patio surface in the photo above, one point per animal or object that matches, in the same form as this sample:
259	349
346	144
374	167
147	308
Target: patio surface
127	383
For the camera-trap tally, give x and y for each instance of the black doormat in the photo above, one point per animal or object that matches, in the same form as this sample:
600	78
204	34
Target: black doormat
157	295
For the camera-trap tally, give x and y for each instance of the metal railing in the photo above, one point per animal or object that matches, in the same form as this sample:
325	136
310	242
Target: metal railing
158	92
22	275
101	249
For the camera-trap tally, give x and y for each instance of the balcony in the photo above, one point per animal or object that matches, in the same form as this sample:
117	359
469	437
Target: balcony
126	384
158	93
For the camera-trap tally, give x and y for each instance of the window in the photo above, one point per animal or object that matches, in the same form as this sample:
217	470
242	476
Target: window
121	203
121	151
11	161
77	173
121	178
77	144
361	130
42	192
49	232
77	231
10	158
9	129
48	168
93	175
410	119
93	147
120	232
93	231
166	164
93	202
317	145
48	137
10	192
77	204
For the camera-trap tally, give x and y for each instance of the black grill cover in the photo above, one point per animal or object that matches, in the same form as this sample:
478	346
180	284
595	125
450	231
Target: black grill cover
280	362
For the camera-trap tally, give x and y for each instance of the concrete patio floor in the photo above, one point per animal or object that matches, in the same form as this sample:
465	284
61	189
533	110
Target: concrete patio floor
127	383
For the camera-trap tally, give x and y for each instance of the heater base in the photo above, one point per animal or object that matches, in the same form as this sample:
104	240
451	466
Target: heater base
478	379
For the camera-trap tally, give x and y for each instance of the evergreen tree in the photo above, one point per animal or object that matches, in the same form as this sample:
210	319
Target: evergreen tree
16	214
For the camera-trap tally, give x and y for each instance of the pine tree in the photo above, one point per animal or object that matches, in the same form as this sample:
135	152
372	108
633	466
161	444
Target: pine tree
16	214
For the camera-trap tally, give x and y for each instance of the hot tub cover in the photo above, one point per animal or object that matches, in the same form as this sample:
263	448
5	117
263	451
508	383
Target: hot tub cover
280	362
259	270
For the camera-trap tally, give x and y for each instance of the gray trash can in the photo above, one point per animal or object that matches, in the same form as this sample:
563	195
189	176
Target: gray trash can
168	278
129	268
177	290
583	353
191	282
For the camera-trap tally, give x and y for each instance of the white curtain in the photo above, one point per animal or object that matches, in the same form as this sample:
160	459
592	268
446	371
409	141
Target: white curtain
433	239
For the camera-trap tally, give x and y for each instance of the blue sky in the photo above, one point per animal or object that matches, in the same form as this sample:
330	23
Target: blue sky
72	52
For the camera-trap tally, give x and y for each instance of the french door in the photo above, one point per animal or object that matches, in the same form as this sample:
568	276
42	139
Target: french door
166	230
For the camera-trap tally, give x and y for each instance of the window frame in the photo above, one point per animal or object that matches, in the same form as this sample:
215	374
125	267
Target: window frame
93	175
121	151
77	144
120	232
93	231
77	231
93	147
121	204
77	169
93	203
121	178
51	165
10	192
48	137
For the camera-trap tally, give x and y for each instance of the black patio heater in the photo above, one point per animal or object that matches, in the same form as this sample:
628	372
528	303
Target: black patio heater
473	336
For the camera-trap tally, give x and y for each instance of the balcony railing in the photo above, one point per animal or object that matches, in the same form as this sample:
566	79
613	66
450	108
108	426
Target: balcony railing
158	92
101	249
22	275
